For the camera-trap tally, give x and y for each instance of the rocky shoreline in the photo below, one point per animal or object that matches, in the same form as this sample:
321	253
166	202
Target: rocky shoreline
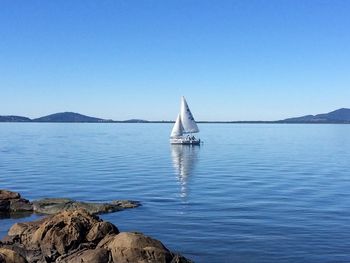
73	233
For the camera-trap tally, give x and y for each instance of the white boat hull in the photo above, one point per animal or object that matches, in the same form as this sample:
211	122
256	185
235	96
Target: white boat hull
185	141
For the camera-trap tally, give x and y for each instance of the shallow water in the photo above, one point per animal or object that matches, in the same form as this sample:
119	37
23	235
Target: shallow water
250	193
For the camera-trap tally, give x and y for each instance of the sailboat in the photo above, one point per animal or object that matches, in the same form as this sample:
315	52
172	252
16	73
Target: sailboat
184	126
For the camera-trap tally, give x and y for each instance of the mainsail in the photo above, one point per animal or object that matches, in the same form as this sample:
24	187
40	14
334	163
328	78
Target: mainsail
177	129
188	123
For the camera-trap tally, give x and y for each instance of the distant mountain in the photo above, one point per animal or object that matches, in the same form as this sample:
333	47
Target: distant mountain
68	117
13	118
337	116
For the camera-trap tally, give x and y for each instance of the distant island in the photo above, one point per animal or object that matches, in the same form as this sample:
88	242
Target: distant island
63	117
57	117
67	117
337	116
14	118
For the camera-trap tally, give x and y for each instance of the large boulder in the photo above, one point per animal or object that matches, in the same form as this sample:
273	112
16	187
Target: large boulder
13	202
66	231
136	247
59	234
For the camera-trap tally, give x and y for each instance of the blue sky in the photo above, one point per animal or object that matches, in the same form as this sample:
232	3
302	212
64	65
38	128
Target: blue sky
233	60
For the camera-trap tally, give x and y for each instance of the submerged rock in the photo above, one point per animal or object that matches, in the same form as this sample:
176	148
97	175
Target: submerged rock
13	205
55	205
79	236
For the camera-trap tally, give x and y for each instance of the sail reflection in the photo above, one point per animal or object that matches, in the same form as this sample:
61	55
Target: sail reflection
184	159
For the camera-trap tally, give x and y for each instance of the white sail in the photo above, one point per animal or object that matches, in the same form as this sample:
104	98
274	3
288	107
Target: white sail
177	129
188	123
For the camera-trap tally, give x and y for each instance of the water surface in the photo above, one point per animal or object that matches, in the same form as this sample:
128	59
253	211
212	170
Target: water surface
250	193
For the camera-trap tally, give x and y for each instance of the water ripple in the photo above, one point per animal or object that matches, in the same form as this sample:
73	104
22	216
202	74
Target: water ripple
250	193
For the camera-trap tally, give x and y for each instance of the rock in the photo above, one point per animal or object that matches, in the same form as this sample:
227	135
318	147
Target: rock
23	232
51	205
17	205
99	255
17	229
5	205
78	236
10	256
105	241
63	232
180	259
55	205
7	195
12	202
19	251
136	247
100	230
126	203
19	239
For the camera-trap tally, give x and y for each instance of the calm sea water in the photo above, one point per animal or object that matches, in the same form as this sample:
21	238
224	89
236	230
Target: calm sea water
250	193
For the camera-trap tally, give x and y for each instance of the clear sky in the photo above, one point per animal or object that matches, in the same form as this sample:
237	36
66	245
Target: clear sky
122	59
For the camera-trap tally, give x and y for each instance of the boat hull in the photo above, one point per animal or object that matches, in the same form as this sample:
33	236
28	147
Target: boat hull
185	141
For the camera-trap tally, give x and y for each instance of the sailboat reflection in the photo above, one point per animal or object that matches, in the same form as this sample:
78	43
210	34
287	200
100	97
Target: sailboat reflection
184	159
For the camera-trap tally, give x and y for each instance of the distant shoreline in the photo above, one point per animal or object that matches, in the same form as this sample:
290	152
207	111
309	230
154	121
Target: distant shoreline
167	122
340	116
